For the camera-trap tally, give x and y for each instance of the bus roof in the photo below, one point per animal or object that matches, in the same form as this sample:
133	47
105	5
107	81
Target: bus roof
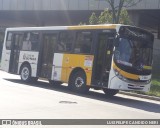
78	27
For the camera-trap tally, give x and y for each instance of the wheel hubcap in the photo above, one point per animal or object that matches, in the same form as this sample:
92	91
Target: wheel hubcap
25	73
79	82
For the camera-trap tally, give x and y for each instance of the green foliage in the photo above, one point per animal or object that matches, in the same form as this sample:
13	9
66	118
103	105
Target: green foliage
93	19
116	7
124	17
116	13
154	90
106	17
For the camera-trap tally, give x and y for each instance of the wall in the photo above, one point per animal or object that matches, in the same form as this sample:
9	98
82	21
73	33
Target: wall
156	58
69	4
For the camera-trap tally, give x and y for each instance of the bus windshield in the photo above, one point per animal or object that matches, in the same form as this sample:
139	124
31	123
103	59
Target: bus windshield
133	53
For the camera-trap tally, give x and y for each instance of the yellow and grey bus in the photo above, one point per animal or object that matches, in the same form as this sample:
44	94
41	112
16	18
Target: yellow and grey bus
110	57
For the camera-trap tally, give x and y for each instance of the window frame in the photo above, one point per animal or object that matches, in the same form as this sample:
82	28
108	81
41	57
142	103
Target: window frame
70	32
92	42
38	40
6	42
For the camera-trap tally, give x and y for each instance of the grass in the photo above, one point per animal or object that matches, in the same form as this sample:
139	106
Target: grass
154	90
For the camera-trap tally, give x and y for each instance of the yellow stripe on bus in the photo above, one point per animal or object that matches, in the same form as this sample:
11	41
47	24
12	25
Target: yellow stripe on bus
92	27
126	74
147	67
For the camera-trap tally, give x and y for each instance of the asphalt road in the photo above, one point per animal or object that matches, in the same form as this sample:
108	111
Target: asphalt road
40	100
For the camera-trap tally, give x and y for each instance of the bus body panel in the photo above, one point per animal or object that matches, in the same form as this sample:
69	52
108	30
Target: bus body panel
130	75
72	61
5	60
119	84
32	58
57	67
64	64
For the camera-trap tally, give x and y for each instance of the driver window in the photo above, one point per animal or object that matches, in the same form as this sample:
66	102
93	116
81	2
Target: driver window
124	50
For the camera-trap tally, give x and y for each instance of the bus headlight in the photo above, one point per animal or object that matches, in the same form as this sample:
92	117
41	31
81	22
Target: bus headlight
148	81
119	75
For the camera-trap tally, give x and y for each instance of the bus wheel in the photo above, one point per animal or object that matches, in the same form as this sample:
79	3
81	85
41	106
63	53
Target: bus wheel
78	82
25	73
110	92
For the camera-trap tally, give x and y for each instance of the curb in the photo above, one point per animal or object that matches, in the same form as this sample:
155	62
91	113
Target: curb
140	95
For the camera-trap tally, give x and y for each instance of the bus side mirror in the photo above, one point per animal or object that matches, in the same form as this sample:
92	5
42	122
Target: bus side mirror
116	42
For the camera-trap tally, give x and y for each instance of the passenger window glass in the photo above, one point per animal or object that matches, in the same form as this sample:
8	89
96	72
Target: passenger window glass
83	42
8	41
30	41
65	41
35	41
18	41
26	45
48	47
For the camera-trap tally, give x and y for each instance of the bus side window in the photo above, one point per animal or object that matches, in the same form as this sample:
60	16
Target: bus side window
35	41
26	45
18	40
65	42
30	41
8	41
83	42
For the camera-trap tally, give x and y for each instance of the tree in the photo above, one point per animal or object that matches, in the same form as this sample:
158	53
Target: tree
117	12
118	5
93	19
124	17
106	17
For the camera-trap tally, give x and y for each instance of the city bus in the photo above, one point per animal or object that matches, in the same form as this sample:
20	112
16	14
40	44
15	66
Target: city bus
109	57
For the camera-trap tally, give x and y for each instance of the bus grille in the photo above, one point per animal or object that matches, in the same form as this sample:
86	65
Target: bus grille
135	87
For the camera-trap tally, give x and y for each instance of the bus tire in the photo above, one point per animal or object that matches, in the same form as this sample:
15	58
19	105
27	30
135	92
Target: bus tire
110	92
25	73
78	82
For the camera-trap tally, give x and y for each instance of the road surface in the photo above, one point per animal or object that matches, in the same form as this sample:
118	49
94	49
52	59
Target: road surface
41	100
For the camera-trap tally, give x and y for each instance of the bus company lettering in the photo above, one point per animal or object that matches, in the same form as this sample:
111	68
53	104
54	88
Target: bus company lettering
29	57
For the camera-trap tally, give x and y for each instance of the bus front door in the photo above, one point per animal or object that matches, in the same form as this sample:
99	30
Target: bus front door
103	58
49	41
15	51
